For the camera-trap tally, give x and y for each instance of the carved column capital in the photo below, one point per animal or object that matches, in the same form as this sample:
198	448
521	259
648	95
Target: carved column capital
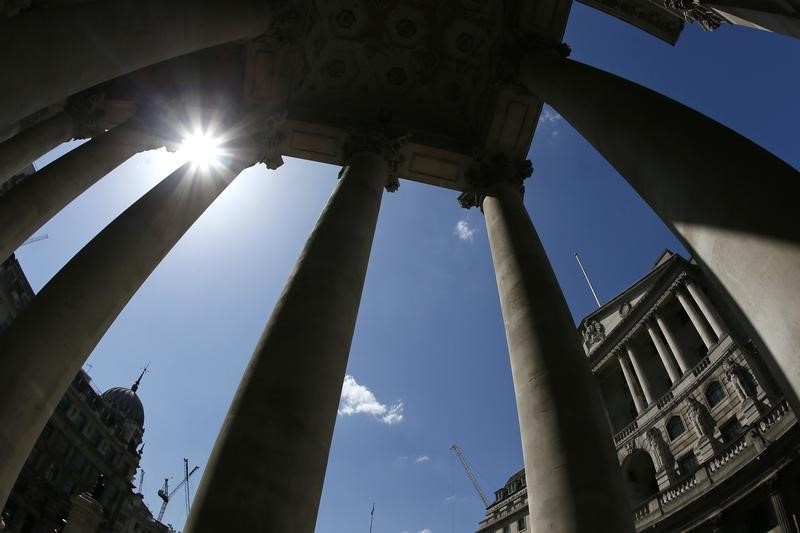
489	171
86	110
693	11
516	45
270	138
388	147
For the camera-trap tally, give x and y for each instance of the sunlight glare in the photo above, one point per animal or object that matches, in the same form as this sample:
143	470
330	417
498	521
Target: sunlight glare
201	149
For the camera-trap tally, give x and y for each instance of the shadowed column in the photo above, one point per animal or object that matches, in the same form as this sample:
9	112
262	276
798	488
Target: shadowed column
573	477
46	345
630	380
30	204
268	464
64	49
30	144
731	202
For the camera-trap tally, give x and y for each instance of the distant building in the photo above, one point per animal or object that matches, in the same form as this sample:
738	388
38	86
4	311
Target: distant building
705	439
89	434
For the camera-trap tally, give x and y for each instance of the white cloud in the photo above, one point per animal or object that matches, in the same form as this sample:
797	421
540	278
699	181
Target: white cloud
464	231
422	459
426	530
450	498
358	399
549	116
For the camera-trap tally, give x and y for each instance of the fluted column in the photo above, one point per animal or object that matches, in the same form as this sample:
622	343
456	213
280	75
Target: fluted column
706	308
30	144
45	346
630	379
663	353
268	464
697	320
732	203
52	53
572	487
29	205
778	506
640	375
674	346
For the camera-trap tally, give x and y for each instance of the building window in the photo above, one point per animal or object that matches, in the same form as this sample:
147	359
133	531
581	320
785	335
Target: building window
521	524
68	487
687	464
675	427
730	430
64	446
79	463
51	473
64	403
79	421
714	393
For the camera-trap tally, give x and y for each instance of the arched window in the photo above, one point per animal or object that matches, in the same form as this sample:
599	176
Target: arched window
675	427
714	393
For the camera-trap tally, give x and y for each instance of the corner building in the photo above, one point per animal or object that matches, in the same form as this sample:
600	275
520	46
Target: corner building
705	439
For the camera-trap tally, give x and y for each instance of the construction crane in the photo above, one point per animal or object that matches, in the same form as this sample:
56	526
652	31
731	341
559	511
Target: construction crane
470	474
34	239
165	494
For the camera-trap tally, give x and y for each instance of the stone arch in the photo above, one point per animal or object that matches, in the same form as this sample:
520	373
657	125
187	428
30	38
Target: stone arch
639	473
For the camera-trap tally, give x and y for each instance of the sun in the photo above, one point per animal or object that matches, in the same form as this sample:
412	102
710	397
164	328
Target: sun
201	149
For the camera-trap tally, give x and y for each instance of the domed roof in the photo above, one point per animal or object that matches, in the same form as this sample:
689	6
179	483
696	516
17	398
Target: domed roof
127	402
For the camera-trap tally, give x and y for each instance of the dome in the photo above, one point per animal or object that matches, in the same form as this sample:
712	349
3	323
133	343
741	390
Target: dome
127	402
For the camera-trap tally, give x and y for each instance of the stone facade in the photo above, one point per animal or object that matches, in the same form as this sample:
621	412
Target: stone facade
705	438
87	436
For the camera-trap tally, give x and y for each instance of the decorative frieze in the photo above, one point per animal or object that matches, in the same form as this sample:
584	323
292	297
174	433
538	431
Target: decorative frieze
694	11
270	139
86	111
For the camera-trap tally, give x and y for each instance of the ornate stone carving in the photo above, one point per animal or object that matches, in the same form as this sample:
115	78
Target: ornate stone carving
86	110
270	138
741	380
659	450
490	170
693	11
701	419
593	333
625	309
378	143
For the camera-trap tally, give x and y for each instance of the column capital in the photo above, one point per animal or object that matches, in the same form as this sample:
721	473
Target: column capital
679	282
517	44
270	138
695	12
491	170
386	146
86	110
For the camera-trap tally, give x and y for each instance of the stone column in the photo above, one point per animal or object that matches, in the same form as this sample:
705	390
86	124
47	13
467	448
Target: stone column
706	308
697	320
53	53
268	464
29	145
30	204
663	353
673	344
778	507
747	239
627	371
572	487
46	345
640	375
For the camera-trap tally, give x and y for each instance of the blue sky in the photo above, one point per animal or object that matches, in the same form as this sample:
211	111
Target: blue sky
429	344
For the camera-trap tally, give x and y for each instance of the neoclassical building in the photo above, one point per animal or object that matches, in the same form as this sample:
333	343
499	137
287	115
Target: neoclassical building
447	94
705	438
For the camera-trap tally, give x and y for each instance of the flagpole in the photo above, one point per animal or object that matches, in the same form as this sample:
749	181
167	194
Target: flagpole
596	299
